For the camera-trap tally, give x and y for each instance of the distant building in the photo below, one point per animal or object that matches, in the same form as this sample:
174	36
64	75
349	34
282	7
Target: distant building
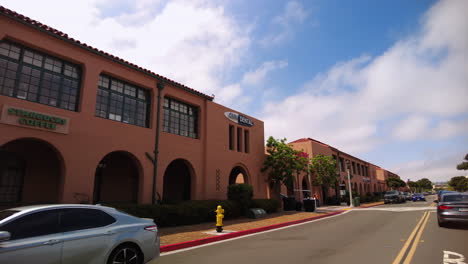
365	176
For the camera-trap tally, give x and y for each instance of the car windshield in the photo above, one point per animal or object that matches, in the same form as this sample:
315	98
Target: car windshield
456	198
391	192
6	213
418	194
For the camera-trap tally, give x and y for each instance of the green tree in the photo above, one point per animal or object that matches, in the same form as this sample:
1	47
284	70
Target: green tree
325	172
413	186
459	183
282	164
395	182
424	184
464	164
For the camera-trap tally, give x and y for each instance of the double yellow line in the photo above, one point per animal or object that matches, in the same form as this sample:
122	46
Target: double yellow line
417	231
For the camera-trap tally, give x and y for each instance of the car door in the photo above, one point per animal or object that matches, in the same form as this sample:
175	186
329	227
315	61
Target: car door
35	238
87	237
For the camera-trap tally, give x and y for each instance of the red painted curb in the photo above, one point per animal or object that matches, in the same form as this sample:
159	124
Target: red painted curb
197	242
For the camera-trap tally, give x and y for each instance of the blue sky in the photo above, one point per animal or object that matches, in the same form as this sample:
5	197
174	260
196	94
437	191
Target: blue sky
386	81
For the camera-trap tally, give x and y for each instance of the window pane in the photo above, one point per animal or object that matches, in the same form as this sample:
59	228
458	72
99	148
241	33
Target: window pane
79	219
142	94
123	105
9	50
41	78
8	72
117	86
130	90
178	118
33	225
103	81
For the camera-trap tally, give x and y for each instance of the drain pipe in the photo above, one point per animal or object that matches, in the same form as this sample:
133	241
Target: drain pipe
160	86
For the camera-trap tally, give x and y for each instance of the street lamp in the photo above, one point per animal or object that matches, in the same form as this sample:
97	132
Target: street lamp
349	185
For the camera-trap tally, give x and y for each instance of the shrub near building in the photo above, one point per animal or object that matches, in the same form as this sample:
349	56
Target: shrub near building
199	211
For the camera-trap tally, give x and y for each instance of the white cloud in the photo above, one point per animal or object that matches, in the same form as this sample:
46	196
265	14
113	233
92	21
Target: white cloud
193	42
412	128
422	77
258	75
420	128
438	166
450	128
229	93
293	14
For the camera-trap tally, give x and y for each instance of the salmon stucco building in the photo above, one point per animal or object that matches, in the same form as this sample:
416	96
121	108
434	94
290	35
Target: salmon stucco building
365	176
81	125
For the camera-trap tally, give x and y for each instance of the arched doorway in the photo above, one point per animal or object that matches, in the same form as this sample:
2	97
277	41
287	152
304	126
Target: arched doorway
117	178
360	189
178	181
238	175
30	172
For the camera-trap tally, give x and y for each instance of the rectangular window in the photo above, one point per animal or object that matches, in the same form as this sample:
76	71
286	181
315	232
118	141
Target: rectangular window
231	137
354	167
246	141
180	118
123	102
239	139
359	169
342	168
31	75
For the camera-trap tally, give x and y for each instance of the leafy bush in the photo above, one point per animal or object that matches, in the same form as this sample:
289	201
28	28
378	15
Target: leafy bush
332	201
192	212
269	205
242	193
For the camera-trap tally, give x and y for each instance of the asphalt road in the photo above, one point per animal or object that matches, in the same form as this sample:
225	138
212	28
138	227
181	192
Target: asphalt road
373	235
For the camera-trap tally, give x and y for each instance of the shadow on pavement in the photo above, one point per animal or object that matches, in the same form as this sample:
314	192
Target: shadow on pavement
461	226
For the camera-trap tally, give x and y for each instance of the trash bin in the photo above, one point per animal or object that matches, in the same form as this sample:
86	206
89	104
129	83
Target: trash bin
289	204
298	206
309	205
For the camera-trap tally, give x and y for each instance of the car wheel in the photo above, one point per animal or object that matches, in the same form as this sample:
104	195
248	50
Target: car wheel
127	254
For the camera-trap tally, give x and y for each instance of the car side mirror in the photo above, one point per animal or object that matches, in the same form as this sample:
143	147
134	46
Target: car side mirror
4	236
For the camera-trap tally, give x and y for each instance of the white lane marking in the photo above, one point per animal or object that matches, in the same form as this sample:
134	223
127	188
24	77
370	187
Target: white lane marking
263	232
459	258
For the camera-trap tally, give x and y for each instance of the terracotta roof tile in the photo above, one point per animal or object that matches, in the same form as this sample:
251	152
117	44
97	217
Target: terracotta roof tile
60	34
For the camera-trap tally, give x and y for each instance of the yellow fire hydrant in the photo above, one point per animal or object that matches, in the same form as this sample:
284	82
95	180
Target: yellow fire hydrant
219	219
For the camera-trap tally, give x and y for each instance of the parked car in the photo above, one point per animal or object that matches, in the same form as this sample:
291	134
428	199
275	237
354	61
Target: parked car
418	197
408	196
92	234
402	197
453	207
394	197
441	192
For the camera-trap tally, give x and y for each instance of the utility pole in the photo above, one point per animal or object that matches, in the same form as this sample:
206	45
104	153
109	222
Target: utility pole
160	87
349	185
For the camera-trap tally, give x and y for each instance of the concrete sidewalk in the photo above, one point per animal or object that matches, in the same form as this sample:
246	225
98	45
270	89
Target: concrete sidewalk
337	208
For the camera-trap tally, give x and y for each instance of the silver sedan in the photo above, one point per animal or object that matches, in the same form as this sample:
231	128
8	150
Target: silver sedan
66	234
452	207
